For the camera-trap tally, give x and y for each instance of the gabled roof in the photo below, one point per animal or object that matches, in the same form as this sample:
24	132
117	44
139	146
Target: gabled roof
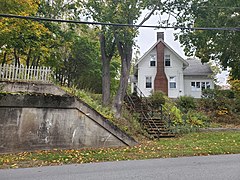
166	45
197	68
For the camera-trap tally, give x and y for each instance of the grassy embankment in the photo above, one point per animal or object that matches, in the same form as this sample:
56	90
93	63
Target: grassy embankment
193	144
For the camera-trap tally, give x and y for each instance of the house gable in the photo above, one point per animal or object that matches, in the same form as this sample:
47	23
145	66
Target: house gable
160	75
153	48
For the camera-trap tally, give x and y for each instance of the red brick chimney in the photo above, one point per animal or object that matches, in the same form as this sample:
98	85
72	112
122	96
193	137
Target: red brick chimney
160	81
160	35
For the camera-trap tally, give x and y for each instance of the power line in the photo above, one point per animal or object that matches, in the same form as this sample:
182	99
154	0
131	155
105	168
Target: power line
117	24
220	7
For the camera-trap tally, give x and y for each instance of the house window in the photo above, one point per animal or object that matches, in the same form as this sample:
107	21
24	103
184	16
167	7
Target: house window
167	60
205	85
208	85
196	86
152	60
172	82
148	82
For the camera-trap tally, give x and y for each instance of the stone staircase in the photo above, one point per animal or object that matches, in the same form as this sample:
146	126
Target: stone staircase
155	122
157	128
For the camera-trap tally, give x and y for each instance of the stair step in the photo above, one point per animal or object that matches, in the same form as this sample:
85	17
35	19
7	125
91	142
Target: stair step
157	129
151	122
154	123
155	119
155	126
164	136
158	132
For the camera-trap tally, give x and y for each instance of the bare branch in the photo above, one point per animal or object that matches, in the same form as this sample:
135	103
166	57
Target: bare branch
148	16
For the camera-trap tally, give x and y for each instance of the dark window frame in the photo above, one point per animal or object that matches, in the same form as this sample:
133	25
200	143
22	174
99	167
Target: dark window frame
172	82
148	83
167	60
152	61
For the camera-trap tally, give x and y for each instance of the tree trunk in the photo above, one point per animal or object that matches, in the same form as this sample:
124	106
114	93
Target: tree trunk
4	58
17	62
38	60
106	79
126	57
28	57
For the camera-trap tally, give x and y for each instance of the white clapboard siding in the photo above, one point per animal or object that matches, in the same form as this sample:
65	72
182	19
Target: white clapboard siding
26	74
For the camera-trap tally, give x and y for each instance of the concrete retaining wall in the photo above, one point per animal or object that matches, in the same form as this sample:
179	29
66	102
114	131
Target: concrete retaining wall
29	122
30	87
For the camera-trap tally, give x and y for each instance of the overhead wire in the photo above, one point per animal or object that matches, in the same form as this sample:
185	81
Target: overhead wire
117	24
220	7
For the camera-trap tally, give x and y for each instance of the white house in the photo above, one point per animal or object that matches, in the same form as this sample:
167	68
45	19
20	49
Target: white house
162	69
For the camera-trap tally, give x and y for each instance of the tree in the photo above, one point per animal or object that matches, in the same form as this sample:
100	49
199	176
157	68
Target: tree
125	12
71	50
26	7
81	67
74	56
22	41
103	11
115	12
212	44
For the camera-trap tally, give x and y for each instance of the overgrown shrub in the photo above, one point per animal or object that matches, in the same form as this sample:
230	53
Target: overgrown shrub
235	85
237	100
157	99
171	111
216	93
197	119
192	122
185	121
218	100
186	103
223	106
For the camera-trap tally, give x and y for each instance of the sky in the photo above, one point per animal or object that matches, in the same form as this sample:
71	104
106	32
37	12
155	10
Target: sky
148	36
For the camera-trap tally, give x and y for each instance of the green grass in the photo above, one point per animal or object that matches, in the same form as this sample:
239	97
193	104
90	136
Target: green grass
194	144
92	100
128	122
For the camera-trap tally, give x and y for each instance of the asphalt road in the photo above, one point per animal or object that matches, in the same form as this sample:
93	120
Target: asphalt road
223	167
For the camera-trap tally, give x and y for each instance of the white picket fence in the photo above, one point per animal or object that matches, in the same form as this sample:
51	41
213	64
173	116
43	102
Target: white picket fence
25	74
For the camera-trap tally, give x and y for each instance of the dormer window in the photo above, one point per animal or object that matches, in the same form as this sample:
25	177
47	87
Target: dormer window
167	60
152	61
